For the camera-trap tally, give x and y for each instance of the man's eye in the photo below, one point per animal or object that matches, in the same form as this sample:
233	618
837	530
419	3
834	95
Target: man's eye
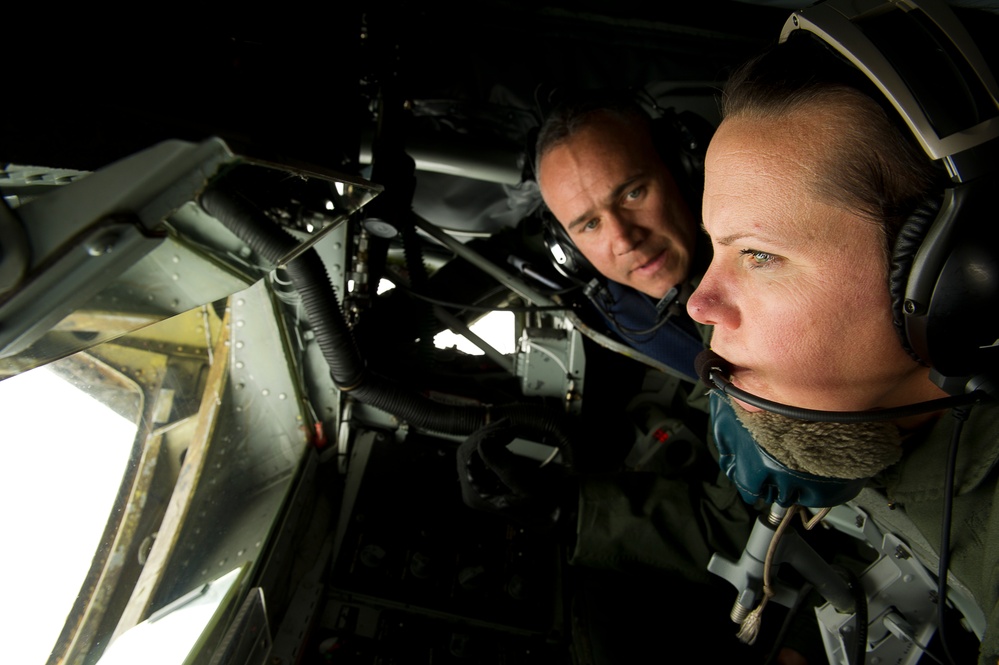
635	194
590	225
757	259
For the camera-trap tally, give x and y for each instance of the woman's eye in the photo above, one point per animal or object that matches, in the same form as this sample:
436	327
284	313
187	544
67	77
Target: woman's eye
757	259
590	225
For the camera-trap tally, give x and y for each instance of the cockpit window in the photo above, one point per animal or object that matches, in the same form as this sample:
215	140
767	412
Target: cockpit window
145	468
69	431
496	329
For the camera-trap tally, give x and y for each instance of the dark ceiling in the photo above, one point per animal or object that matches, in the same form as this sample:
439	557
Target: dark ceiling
300	83
458	83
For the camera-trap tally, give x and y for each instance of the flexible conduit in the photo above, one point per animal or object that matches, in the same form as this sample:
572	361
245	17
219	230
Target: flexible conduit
223	201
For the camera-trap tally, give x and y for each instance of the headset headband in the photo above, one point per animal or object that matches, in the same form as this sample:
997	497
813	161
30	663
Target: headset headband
838	24
945	276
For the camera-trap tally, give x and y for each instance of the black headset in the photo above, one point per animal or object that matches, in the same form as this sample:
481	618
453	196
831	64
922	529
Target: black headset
680	138
944	279
564	254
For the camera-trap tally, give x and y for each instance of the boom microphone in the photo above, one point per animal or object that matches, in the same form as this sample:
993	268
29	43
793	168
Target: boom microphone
714	370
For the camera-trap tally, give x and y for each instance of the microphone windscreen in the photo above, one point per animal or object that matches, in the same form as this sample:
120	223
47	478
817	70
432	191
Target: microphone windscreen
705	361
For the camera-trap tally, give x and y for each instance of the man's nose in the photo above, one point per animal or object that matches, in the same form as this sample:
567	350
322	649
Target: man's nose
625	234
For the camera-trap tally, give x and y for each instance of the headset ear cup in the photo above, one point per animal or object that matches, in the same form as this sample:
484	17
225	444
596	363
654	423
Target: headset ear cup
910	237
565	256
681	139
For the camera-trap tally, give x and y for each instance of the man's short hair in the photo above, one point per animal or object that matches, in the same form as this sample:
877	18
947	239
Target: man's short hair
577	110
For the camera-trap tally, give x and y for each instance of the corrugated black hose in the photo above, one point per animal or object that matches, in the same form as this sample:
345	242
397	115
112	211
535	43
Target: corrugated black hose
224	202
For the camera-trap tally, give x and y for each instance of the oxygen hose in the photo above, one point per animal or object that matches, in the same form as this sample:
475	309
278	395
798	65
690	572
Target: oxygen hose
223	201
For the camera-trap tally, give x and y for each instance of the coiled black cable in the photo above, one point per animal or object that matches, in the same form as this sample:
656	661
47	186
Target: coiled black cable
224	200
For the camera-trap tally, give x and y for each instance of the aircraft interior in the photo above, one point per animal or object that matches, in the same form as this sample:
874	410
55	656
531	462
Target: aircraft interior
300	253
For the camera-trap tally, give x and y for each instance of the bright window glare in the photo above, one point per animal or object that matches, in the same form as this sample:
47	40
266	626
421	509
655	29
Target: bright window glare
495	328
174	634
64	456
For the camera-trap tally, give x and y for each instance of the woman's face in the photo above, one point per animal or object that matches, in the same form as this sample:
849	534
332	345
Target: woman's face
797	288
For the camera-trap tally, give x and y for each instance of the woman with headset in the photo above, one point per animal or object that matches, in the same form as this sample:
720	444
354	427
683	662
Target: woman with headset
853	286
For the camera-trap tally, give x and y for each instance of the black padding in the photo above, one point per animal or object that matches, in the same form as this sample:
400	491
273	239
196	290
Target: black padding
951	304
681	140
565	256
910	237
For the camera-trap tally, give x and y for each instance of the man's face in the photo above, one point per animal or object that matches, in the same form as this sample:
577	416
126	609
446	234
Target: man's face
797	288
620	205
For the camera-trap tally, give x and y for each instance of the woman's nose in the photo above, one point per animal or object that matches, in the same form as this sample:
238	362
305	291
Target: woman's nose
710	304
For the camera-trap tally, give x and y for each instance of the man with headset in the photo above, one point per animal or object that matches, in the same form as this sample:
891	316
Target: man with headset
621	193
